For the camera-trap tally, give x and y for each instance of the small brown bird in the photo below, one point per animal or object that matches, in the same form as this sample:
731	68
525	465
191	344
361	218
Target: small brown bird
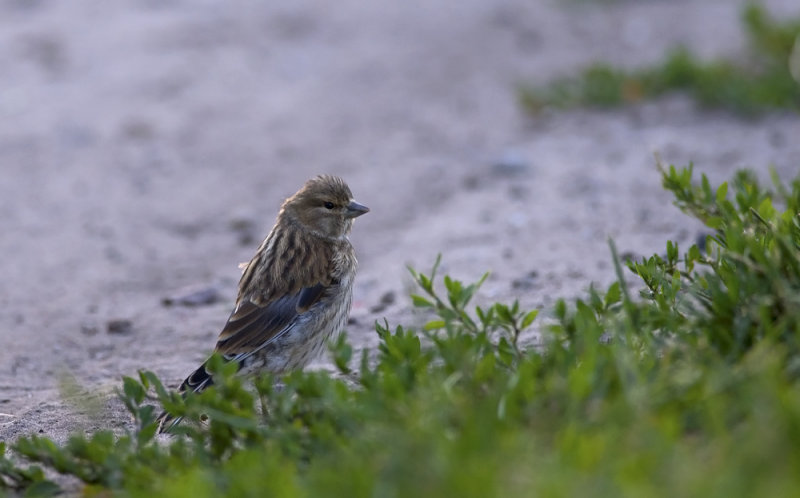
296	291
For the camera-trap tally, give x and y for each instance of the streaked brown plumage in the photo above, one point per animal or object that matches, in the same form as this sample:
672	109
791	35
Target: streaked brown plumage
296	291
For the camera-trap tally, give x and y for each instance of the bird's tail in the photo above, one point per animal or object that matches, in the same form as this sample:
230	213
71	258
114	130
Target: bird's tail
196	382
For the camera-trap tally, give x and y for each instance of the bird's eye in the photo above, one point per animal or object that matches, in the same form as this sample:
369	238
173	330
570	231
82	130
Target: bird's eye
328	205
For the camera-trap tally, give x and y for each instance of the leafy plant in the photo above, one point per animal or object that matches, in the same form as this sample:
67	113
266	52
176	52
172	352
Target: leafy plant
691	389
746	286
769	78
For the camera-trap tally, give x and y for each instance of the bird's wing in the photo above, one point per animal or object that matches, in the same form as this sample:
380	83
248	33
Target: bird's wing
251	326
258	319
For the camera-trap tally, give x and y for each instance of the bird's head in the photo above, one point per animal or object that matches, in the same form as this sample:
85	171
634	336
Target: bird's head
325	206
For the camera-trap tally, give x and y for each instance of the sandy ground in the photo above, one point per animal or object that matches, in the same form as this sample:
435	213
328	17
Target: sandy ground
145	147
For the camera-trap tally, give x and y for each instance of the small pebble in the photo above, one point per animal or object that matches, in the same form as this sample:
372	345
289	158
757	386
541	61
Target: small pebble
511	162
193	297
387	300
119	326
526	282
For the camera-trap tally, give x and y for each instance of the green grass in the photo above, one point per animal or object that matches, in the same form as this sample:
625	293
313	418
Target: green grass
767	79
688	389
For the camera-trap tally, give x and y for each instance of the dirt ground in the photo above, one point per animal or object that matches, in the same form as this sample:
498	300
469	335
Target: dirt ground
145	147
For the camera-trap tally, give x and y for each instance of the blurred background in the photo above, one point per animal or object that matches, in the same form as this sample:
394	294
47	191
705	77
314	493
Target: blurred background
146	146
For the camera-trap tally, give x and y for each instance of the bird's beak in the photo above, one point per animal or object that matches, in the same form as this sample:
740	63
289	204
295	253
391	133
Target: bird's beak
355	210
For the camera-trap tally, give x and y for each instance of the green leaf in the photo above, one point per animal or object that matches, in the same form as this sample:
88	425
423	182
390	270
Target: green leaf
43	488
529	318
434	325
613	294
133	390
715	222
421	302
503	313
766	210
425	283
722	192
481	315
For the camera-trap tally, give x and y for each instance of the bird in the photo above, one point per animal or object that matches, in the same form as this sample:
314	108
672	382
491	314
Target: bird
295	293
